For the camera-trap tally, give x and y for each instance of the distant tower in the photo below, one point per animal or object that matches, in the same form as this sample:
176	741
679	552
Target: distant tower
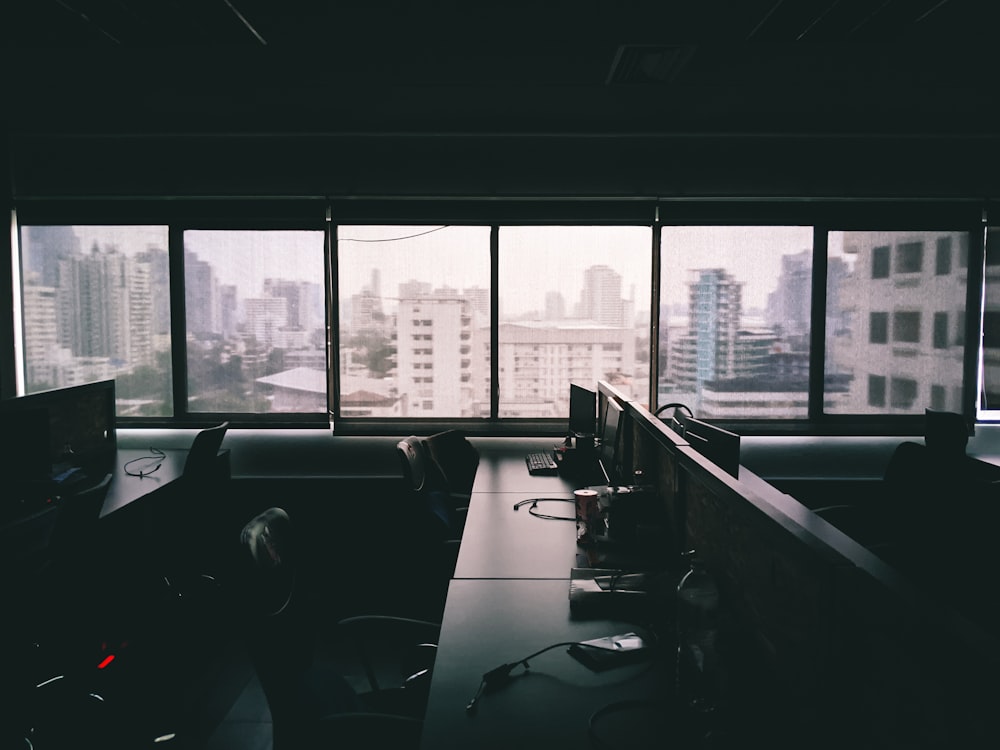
555	306
201	295
711	349
601	299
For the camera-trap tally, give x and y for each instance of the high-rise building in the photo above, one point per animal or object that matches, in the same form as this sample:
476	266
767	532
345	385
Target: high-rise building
789	306
41	333
435	335
555	306
228	307
479	298
707	351
45	247
159	278
95	304
601	299
200	296
905	344
266	317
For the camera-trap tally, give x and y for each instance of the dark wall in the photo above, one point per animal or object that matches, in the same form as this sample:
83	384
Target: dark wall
504	165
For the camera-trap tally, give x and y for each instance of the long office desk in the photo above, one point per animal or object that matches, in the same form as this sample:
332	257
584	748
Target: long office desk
500	542
502	468
492	622
509	598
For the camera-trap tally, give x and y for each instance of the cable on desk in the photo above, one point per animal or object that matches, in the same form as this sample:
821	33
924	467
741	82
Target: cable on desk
157	455
533	508
609	708
501	675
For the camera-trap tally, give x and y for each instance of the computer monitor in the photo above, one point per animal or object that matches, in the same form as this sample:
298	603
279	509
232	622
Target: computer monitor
610	433
719	446
61	430
582	411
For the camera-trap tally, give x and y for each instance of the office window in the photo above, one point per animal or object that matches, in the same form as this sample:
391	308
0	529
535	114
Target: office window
906	327
909	257
569	291
878	328
942	260
735	317
856	363
388	274
940	330
96	305
880	262
876	390
255	313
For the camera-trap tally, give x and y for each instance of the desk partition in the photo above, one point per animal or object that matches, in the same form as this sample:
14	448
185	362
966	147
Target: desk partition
828	631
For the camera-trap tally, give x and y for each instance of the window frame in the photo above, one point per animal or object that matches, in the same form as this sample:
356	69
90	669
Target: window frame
327	214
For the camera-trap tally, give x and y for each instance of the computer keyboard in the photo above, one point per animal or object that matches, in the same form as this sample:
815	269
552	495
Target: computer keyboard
541	463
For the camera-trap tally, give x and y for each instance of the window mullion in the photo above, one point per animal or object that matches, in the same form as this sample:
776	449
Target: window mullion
817	326
178	320
494	322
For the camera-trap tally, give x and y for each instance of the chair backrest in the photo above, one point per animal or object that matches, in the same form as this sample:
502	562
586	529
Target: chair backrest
413	461
204	449
270	562
455	459
281	635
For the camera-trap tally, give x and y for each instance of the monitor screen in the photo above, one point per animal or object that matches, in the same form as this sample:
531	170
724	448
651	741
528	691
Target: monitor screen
63	429
609	439
582	410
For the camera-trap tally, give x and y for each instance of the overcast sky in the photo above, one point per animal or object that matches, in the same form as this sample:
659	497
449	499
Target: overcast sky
533	259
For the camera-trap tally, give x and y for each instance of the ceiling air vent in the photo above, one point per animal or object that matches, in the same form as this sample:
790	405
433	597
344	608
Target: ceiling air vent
648	64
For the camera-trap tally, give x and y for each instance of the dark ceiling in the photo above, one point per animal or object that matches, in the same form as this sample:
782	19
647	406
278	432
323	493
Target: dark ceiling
550	66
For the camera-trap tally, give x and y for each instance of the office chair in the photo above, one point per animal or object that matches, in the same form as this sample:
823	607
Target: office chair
431	490
312	703
201	457
197	512
457	461
436	518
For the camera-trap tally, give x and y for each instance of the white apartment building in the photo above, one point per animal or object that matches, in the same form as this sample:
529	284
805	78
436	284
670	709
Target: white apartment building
435	334
265	318
905	299
539	359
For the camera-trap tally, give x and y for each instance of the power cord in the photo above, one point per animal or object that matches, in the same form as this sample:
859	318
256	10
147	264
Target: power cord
157	455
623	705
501	675
533	507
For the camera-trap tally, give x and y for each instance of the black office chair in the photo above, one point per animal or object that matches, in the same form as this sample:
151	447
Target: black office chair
200	462
432	493
312	703
457	460
197	510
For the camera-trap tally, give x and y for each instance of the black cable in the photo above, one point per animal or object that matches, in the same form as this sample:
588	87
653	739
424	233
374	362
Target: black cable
394	239
611	708
533	509
158	455
501	674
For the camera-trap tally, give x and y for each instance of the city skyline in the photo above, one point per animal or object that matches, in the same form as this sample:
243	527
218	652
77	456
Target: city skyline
726	319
